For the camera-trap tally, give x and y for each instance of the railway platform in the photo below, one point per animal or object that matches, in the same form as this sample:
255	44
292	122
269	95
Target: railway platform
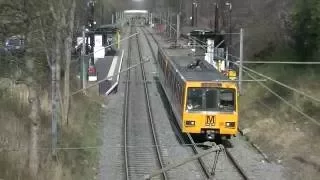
109	66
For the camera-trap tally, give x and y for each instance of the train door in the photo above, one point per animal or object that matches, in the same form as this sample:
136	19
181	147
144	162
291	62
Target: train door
166	72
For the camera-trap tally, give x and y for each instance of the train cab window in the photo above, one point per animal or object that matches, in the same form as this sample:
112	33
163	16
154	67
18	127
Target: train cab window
210	99
227	100
195	99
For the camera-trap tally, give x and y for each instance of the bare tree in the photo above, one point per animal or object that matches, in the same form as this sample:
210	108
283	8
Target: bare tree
54	22
63	13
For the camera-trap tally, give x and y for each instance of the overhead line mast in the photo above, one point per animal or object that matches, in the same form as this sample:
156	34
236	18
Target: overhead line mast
91	28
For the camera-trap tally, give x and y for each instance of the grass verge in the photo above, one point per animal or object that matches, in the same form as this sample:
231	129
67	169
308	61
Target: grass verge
285	135
81	131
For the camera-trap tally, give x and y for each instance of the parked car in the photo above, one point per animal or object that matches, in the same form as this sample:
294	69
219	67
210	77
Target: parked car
15	45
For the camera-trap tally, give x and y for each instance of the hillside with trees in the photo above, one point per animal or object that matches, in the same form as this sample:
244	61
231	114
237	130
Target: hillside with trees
30	82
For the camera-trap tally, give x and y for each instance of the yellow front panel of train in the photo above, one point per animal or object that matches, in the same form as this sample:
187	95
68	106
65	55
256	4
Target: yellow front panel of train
222	123
210	106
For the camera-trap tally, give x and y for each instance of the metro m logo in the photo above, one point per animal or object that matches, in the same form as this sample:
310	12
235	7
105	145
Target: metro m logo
210	121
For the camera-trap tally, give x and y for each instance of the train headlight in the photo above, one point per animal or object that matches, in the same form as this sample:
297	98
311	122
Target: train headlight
190	123
230	124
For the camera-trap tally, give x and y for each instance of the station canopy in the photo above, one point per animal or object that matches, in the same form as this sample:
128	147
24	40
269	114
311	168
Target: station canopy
203	34
108	28
135	11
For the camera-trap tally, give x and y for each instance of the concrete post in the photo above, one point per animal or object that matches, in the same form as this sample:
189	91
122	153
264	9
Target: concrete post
241	61
170	25
83	52
178	27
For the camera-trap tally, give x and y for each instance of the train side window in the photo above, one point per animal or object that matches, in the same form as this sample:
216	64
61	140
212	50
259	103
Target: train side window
161	61
170	80
174	84
184	94
178	92
168	75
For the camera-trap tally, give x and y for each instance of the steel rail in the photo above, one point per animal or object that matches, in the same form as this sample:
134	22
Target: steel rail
202	164
236	165
125	114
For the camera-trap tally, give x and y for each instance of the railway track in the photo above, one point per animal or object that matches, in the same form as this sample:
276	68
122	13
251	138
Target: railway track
141	150
177	128
189	139
125	113
236	165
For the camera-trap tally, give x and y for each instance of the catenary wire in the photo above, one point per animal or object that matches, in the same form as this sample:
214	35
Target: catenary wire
22	148
285	101
273	80
281	62
277	95
278	82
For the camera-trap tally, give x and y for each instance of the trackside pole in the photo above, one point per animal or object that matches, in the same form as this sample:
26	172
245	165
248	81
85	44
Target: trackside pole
83	53
178	28
241	62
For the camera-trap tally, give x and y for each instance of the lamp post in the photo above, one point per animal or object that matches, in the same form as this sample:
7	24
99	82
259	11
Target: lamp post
216	18
229	4
194	13
91	24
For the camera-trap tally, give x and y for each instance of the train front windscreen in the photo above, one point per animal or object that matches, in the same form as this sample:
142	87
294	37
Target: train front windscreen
210	99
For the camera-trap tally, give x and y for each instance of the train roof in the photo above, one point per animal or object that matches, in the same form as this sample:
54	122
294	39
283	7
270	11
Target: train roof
203	72
180	59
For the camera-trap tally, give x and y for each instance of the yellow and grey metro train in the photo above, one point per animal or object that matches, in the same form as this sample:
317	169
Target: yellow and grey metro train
202	99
